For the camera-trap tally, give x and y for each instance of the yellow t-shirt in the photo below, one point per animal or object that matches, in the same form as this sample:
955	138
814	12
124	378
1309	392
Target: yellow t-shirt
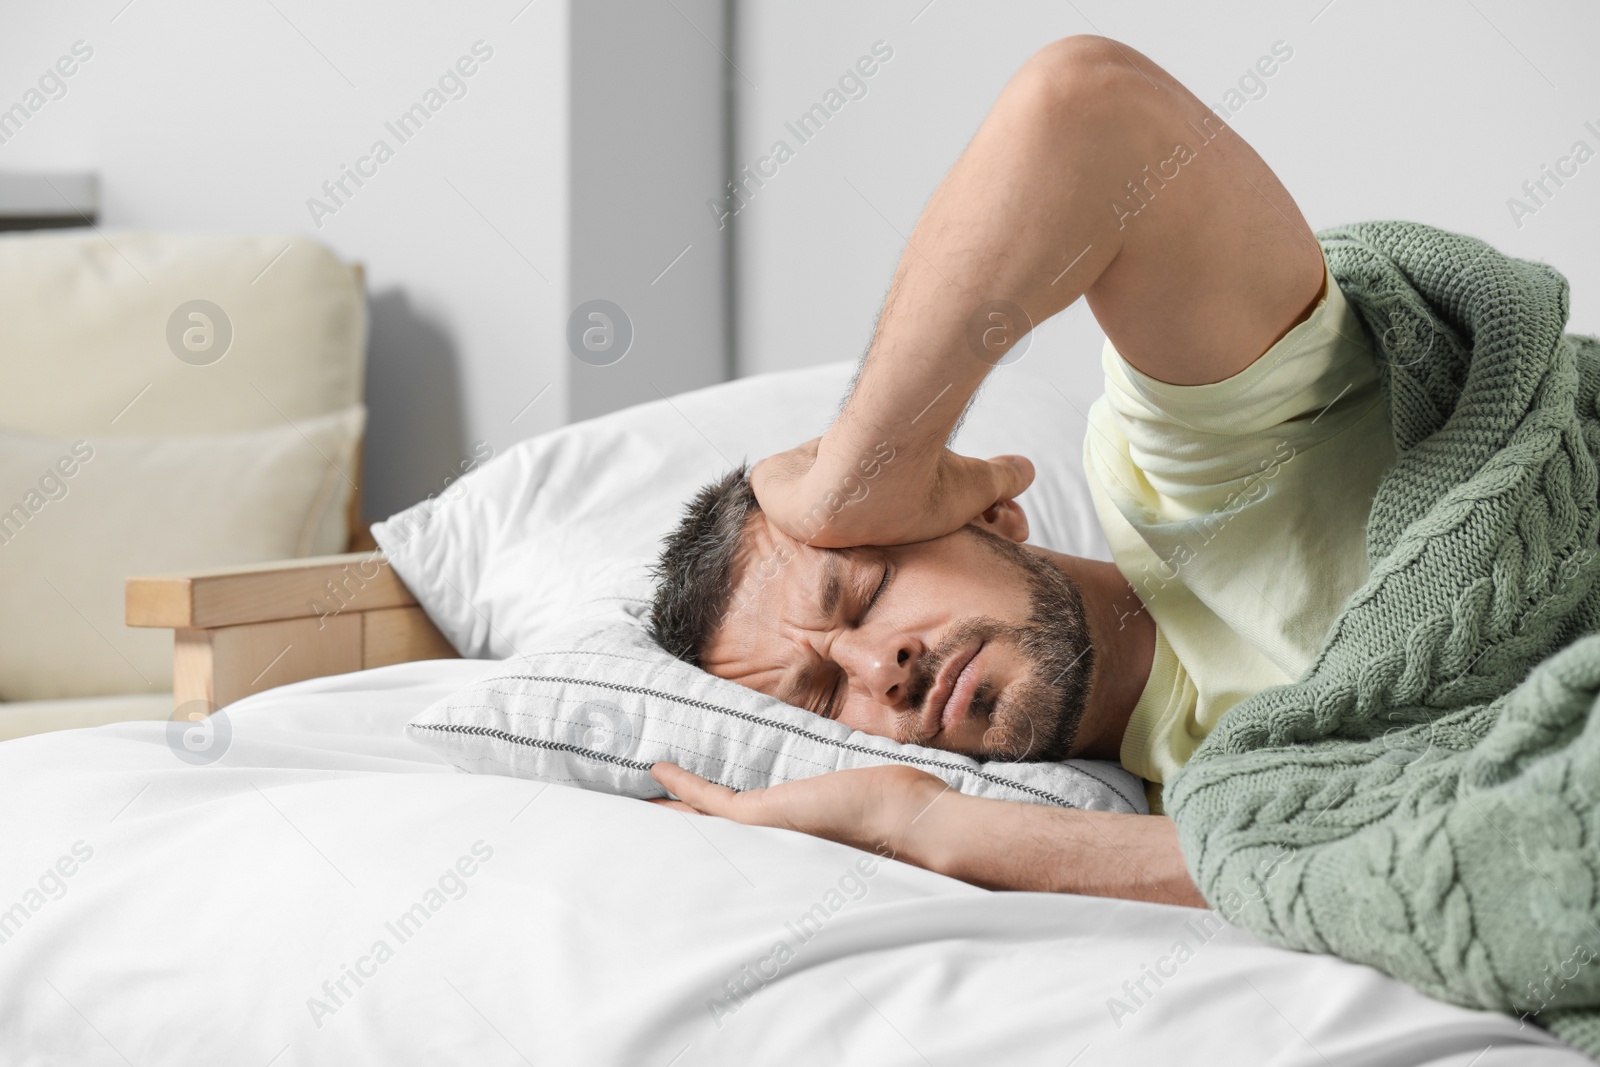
1237	511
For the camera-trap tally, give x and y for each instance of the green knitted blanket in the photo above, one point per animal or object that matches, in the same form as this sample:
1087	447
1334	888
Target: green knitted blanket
1426	798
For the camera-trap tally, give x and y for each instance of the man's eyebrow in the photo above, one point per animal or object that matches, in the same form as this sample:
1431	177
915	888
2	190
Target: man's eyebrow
795	694
832	584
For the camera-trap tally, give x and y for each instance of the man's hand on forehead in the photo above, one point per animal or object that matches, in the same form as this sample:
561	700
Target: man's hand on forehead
910	499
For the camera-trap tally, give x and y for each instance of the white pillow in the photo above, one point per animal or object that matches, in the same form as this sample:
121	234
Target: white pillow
77	518
504	556
597	708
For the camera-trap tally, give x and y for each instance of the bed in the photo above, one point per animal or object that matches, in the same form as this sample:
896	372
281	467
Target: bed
295	880
325	891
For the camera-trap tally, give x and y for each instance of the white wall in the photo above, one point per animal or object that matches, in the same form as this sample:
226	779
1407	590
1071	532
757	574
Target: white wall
589	149
1428	111
648	138
228	117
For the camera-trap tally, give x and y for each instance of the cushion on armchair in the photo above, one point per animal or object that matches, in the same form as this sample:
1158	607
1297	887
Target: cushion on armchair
77	517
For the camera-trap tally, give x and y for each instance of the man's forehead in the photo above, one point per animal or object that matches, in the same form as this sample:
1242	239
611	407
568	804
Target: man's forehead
748	645
775	570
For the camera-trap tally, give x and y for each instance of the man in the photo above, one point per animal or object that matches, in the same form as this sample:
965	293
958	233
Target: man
1232	461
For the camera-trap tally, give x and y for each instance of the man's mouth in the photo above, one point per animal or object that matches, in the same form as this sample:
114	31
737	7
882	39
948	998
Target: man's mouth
950	699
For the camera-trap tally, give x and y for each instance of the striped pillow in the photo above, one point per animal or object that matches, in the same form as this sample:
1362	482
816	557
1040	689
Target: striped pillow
596	710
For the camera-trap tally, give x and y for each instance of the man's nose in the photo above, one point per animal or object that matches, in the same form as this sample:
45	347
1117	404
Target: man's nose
880	659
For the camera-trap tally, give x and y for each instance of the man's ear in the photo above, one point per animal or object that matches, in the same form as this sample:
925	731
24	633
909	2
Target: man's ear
1006	519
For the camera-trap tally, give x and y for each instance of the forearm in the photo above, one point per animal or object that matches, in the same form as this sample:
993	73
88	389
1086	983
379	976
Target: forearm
1040	209
1007	845
1021	218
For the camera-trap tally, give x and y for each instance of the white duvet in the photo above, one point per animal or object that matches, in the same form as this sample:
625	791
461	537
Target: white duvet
328	892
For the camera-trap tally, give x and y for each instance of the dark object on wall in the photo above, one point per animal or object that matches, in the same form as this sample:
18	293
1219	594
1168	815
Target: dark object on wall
44	201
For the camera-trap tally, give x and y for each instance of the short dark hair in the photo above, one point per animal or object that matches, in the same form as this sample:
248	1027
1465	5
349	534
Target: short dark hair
695	574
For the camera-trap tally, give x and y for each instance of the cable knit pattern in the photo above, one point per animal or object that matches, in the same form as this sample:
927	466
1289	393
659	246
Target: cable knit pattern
1426	799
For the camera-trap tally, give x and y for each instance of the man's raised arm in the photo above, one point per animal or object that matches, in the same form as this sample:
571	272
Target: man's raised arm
1097	174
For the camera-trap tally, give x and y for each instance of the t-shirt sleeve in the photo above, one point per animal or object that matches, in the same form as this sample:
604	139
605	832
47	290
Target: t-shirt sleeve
1237	511
1192	444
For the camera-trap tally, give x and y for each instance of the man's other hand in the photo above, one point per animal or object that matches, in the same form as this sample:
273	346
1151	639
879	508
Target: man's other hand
869	808
902	813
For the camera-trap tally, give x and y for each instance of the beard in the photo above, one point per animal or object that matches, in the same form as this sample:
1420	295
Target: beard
1038	717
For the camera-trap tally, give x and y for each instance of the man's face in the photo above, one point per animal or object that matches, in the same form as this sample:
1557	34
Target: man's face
968	642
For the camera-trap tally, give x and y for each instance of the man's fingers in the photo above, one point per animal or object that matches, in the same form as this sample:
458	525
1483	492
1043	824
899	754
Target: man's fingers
709	798
676	805
976	485
694	790
1012	475
787	467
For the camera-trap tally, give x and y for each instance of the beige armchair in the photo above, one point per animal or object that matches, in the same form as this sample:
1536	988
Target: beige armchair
245	354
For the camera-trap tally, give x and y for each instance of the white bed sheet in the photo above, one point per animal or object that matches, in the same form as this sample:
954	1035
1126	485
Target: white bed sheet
217	900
